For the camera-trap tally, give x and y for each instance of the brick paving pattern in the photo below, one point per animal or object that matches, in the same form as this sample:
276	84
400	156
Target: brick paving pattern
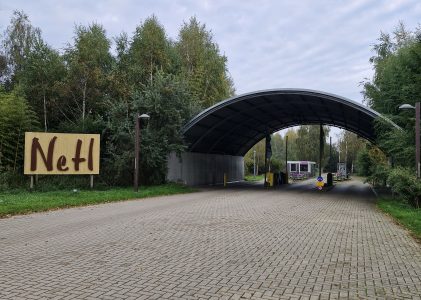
237	243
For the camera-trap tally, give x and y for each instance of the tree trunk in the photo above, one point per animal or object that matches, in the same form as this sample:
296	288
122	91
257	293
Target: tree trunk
83	104
16	151
151	69
45	114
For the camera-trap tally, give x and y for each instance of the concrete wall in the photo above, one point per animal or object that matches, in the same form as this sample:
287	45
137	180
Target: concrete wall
203	169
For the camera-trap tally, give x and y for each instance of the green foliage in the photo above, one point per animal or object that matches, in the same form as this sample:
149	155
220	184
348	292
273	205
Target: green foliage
260	158
277	160
149	51
399	144
307	142
10	180
403	213
20	38
21	202
202	64
364	163
378	174
16	117
303	144
88	61
253	178
88	89
42	72
372	163
406	186
396	81
332	163
349	145
276	165
166	100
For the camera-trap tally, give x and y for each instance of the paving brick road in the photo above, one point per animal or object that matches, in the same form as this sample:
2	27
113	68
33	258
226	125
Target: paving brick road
240	242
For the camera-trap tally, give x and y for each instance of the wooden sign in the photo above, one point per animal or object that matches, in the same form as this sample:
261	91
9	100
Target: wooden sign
61	153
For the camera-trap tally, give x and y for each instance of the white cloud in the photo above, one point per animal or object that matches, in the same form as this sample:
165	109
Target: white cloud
322	45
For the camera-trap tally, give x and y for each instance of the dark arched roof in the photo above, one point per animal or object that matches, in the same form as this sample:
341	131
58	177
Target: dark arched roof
233	126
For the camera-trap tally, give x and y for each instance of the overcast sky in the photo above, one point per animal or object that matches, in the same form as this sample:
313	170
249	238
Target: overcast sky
322	45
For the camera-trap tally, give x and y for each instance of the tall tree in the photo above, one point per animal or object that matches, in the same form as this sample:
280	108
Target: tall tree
89	62
20	39
166	100
308	147
396	80
16	117
203	65
349	145
260	158
149	50
43	70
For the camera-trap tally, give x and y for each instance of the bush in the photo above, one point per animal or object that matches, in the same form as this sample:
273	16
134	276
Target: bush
275	165
167	101
363	163
404	184
11	180
16	117
378	175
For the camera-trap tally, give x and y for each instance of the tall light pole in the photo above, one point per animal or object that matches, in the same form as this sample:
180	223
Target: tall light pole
417	133
144	118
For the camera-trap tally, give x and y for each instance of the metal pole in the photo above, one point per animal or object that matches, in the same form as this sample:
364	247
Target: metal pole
417	137
91	183
136	157
286	159
31	185
321	144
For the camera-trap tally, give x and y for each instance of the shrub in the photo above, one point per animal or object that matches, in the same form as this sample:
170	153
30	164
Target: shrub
275	165
16	117
167	101
404	184
378	174
11	180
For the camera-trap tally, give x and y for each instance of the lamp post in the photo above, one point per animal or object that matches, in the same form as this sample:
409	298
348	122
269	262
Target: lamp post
144	118
417	133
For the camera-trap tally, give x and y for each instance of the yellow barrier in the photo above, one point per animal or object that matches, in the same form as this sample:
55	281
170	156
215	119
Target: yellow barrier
269	178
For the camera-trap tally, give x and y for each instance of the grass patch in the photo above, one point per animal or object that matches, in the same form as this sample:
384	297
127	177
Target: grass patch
253	178
22	202
406	215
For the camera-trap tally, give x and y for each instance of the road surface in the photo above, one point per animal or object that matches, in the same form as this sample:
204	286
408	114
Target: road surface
238	242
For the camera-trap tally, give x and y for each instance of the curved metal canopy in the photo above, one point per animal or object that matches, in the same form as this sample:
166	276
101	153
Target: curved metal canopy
233	126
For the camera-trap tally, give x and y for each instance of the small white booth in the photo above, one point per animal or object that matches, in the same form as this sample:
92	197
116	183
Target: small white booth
301	169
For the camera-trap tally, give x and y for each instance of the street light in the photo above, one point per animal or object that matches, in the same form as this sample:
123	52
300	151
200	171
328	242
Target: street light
144	118
417	133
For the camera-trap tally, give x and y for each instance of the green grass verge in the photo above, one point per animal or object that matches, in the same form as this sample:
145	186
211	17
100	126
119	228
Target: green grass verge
253	178
22	202
406	215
